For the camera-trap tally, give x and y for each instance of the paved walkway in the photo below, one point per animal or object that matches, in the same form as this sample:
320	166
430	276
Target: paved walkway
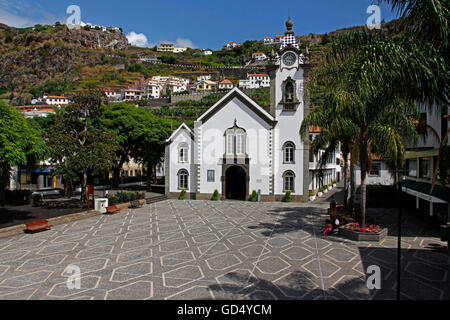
218	250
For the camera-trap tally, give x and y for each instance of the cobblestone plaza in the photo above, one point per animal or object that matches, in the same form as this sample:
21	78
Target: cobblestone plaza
218	250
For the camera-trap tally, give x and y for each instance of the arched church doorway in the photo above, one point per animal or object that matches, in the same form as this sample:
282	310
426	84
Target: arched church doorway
235	183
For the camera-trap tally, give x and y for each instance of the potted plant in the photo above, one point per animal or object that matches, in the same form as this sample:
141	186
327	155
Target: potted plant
215	196
330	186
334	184
288	197
325	189
320	192
182	195
312	196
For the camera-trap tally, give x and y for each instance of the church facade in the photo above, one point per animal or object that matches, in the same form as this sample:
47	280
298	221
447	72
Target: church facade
236	147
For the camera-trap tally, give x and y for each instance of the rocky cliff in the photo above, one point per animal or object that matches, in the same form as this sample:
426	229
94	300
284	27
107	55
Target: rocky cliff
34	55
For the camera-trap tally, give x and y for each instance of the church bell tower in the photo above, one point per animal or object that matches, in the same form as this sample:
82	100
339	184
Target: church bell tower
289	107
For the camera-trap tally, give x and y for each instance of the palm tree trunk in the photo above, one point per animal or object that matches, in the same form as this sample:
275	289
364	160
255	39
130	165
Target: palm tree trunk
363	197
352	184
345	182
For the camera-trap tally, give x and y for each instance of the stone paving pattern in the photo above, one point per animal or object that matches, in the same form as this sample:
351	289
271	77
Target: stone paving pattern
218	250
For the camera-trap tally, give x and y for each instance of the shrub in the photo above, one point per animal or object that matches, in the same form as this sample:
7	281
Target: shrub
182	195
325	187
9	38
311	193
288	197
254	196
215	195
320	190
124	197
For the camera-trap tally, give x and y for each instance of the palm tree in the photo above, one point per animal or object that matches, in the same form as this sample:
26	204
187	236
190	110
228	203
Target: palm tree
334	132
428	22
425	20
373	82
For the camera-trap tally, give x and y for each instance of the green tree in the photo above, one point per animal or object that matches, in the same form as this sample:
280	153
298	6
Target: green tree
134	128
20	144
78	143
157	131
373	82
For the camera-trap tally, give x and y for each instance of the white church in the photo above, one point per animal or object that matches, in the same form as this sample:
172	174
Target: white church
236	147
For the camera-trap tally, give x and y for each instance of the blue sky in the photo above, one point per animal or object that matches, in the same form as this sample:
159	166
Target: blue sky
197	23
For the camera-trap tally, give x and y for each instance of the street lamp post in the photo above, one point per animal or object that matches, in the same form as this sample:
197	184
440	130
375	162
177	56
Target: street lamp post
399	173
399	237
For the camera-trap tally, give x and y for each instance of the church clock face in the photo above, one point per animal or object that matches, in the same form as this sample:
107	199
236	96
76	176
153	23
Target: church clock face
289	59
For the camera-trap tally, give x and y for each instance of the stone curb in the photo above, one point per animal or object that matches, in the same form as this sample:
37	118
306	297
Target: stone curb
15	230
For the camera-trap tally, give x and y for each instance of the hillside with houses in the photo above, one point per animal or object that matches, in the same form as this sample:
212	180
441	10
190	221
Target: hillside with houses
44	61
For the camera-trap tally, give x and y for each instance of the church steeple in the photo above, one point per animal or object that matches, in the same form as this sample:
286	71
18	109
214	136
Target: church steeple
289	25
289	36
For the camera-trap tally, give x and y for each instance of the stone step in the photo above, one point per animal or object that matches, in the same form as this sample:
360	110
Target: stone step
156	199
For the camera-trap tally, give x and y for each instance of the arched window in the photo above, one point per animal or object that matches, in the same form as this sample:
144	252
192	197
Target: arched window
289	92
289	152
183	150
289	98
230	142
235	141
289	181
183	180
240	142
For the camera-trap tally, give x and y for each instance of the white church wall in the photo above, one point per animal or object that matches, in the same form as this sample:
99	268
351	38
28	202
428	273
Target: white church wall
175	166
257	146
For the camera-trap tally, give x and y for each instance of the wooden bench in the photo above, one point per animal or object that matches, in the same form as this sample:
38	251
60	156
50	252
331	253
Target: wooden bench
38	226
135	204
112	210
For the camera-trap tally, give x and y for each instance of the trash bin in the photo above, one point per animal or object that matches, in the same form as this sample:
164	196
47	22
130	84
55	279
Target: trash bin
101	204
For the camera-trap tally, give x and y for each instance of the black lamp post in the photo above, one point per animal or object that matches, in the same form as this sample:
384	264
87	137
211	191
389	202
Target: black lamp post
399	173
399	237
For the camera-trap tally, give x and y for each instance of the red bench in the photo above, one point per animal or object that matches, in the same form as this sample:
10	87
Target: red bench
37	226
112	209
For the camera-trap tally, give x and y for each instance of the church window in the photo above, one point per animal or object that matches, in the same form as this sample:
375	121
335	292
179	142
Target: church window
183	176
289	92
230	143
240	143
288	179
183	153
235	141
289	98
289	152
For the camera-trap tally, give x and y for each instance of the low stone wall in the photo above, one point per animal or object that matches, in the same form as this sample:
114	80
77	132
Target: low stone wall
363	236
264	198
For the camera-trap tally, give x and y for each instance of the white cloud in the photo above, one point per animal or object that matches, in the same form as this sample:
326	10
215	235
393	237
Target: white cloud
20	15
13	20
184	43
138	39
141	40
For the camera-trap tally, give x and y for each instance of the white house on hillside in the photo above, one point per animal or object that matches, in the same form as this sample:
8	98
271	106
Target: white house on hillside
268	40
55	100
259	56
255	81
